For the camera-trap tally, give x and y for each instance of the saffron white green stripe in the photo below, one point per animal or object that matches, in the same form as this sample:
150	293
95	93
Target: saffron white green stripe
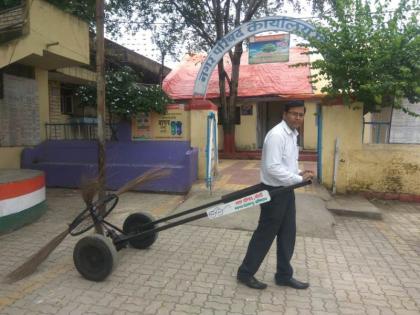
20	203
22	197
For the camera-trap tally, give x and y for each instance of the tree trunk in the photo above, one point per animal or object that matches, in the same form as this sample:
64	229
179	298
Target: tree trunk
227	144
229	127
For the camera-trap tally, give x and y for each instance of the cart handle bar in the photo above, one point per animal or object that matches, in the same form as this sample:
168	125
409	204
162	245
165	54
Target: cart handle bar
224	199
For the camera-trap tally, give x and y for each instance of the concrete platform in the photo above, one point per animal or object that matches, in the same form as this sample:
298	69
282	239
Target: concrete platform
353	205
22	198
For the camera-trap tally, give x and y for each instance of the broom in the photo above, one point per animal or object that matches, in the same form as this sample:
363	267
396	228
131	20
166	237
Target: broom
89	190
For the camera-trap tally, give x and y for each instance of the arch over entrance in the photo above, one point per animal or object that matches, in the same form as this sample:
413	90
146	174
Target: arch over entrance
271	23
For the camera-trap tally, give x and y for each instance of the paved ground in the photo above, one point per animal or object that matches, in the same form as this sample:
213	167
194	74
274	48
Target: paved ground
369	267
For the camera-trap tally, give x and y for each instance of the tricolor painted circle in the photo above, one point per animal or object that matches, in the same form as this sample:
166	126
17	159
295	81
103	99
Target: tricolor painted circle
22	198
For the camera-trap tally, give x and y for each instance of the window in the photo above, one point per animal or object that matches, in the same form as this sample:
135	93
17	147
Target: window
67	103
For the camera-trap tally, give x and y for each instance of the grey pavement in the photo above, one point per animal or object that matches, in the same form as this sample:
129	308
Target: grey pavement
364	267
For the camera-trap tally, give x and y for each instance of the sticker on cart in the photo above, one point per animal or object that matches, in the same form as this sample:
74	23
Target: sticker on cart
238	204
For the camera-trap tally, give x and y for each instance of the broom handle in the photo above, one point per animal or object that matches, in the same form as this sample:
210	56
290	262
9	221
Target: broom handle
124	238
228	198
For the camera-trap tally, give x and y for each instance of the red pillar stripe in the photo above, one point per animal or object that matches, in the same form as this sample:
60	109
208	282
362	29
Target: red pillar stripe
22	187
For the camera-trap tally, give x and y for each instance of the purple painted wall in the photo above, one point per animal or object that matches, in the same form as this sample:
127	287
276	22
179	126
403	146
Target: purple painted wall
66	162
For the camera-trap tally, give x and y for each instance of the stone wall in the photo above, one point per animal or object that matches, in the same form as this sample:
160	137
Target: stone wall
19	112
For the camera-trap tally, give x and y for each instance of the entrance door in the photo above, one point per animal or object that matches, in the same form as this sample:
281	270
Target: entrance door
261	123
269	115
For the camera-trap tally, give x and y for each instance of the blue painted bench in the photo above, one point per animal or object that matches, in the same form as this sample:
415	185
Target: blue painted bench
67	162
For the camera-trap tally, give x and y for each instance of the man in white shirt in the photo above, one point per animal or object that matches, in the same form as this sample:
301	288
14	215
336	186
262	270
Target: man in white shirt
279	167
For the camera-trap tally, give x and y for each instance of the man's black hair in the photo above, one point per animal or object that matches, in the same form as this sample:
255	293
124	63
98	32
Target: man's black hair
292	104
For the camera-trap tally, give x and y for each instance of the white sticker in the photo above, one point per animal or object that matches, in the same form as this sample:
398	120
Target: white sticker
239	204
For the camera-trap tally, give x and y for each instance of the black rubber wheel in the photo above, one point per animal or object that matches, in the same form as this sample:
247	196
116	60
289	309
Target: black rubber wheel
133	225
95	257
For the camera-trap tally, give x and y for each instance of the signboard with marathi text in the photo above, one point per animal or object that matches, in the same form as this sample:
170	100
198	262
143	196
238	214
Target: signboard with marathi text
174	125
269	49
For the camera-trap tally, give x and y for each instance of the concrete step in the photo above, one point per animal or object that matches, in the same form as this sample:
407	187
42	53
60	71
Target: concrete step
353	205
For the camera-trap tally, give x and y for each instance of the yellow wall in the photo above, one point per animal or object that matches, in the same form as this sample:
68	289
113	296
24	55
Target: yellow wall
393	168
310	134
246	132
345	124
322	81
10	157
220	136
41	77
49	25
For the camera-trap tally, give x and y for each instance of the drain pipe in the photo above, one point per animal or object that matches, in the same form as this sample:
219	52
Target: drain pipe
336	157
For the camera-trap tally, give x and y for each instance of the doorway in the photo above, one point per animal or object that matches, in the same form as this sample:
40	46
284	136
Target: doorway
270	114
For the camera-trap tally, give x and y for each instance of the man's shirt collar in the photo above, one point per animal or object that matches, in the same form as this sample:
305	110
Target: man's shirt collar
288	129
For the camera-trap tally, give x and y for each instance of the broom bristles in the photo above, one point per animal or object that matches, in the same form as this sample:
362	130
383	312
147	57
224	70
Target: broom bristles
146	177
28	267
89	190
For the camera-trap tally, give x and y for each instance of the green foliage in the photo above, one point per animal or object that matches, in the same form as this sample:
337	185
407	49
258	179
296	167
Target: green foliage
370	57
125	96
198	24
6	4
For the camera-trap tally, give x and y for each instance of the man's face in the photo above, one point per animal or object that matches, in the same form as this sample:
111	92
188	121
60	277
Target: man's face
294	117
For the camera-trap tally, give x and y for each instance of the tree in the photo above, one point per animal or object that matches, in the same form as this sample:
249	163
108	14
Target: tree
125	96
207	21
370	56
169	41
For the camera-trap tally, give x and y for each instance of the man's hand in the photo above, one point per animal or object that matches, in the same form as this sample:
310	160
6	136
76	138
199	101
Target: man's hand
306	175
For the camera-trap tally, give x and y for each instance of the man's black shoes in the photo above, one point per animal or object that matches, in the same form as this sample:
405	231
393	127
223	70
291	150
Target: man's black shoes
251	282
293	283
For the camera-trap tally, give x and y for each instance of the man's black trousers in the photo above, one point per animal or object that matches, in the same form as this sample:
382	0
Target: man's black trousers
277	218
